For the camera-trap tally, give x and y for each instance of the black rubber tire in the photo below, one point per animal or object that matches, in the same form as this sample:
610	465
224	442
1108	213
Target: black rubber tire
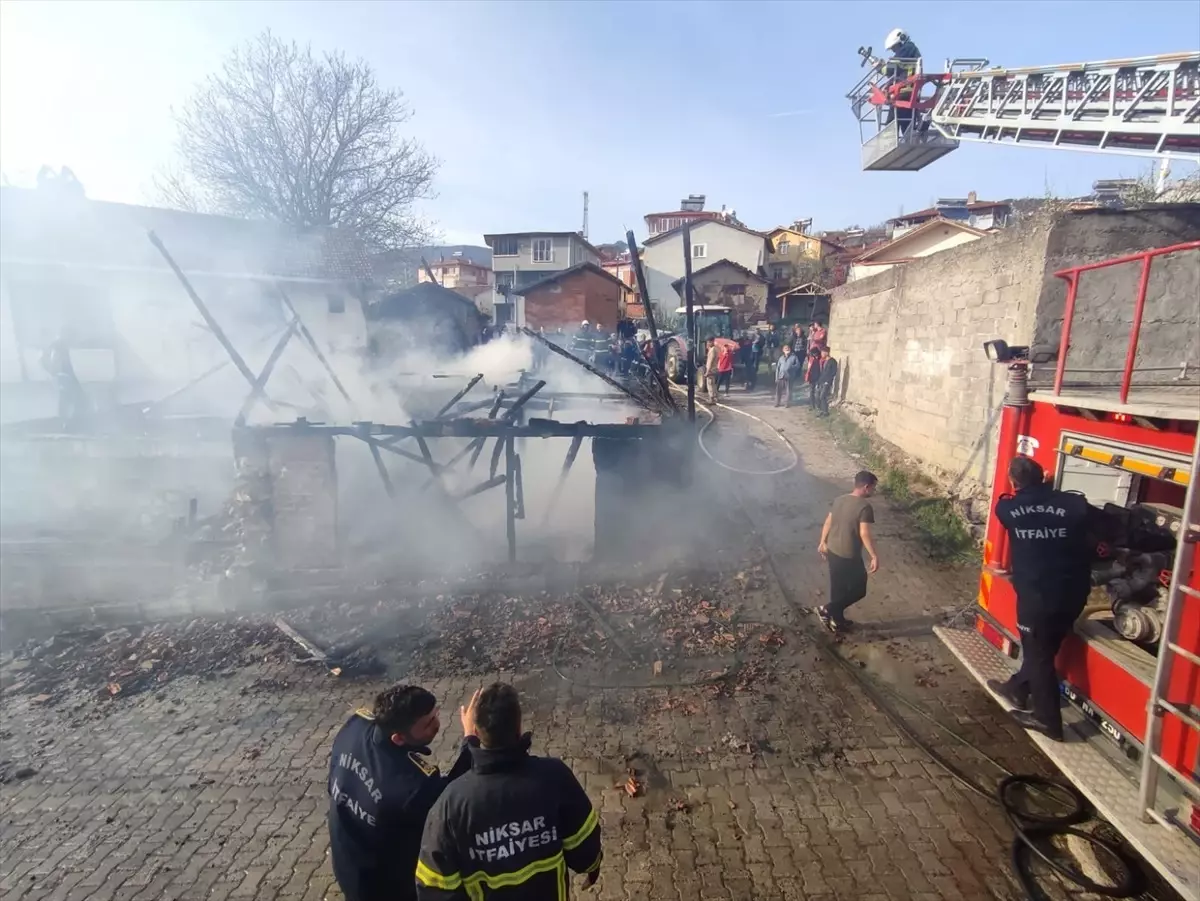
1077	814
676	365
1130	885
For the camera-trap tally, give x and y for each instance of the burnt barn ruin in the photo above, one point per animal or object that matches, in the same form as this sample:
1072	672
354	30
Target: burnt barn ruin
497	475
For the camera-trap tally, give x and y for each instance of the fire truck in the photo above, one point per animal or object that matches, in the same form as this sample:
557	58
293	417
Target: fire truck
1131	670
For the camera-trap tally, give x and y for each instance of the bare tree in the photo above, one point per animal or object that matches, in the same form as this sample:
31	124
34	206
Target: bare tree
282	134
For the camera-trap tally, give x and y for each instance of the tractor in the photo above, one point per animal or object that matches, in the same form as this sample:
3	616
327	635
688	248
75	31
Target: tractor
710	322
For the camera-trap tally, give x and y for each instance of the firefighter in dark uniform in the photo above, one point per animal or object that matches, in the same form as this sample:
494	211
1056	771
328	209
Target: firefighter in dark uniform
901	65
1051	572
511	828
381	788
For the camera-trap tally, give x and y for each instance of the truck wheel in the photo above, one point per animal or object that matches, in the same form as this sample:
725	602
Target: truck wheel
676	365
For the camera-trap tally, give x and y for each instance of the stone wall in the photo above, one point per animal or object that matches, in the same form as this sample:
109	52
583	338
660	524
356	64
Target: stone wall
1104	303
910	339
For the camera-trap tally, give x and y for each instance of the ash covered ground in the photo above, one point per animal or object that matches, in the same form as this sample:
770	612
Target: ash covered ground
726	757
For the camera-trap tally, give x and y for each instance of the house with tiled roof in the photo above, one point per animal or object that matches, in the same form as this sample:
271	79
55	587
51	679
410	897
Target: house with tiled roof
711	240
86	273
932	236
982	215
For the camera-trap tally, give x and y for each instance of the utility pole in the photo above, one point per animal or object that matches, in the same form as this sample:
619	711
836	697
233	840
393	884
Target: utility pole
689	298
585	206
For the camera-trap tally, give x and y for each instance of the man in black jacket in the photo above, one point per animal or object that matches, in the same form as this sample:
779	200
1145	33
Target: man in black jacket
511	828
381	788
1051	572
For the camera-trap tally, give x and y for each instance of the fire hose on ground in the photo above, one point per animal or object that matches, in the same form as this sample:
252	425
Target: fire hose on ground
1032	829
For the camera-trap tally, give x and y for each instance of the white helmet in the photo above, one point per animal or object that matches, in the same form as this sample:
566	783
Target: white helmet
895	38
585	322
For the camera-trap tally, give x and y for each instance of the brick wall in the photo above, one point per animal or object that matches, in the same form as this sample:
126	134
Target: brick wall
910	339
569	301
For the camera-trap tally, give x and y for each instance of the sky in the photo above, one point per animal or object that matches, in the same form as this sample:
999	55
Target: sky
529	104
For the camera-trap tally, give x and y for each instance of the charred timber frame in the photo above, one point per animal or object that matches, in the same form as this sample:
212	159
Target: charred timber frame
476	428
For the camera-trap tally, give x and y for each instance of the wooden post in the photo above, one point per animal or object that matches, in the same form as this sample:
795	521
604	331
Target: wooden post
312	344
640	273
209	320
509	498
689	299
260	381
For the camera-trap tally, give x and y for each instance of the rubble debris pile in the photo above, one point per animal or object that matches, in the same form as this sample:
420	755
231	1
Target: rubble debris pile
123	663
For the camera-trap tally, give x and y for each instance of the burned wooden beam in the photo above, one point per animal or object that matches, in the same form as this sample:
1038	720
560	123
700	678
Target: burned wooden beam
382	467
572	453
640	273
399	452
689	299
519	490
202	308
510	519
484	428
457	397
496	451
479	444
260	381
588	366
312	344
482	487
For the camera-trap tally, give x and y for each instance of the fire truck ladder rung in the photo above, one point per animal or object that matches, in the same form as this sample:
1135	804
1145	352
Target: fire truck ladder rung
1183	652
1144	107
1185	712
1188	785
1169	654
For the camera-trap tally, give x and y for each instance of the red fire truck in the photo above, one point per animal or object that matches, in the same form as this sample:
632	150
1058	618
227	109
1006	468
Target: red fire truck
1131	670
1132	667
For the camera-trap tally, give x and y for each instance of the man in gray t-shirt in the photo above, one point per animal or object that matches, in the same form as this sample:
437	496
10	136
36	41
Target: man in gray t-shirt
847	531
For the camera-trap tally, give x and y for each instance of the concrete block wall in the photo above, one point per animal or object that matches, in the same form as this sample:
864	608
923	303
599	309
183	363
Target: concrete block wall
1104	303
911	339
911	345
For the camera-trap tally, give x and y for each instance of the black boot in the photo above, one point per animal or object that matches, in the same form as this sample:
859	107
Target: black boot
1014	699
1031	722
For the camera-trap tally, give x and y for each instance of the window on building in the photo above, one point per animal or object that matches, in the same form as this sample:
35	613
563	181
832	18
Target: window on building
783	247
543	250
699	251
506	247
504	282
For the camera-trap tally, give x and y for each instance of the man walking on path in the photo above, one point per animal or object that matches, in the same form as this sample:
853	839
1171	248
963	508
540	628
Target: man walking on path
1051	572
826	380
786	369
711	362
812	376
847	531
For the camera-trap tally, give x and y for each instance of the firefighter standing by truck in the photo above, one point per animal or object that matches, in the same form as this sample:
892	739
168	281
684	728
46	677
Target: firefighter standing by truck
1051	572
511	828
381	788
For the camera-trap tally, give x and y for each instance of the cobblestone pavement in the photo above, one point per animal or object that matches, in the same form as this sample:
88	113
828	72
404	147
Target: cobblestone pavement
796	789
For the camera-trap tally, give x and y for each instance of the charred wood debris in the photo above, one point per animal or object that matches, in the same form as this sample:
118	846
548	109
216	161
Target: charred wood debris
686	631
690	631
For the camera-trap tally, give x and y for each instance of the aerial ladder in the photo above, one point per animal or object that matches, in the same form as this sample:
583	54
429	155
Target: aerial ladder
908	118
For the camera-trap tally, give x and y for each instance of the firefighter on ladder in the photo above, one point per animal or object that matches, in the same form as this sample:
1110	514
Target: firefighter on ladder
903	64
